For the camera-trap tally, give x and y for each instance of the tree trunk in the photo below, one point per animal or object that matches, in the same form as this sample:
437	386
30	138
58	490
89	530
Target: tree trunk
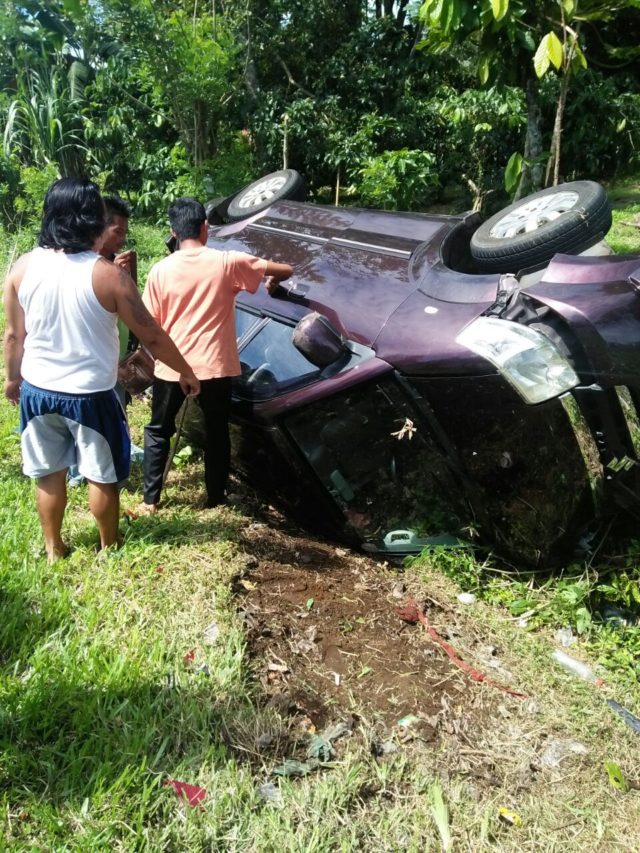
532	172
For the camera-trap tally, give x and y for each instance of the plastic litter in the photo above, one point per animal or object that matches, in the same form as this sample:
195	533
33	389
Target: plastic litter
467	598
508	816
630	719
291	767
137	453
270	793
192	794
557	750
577	667
565	637
211	633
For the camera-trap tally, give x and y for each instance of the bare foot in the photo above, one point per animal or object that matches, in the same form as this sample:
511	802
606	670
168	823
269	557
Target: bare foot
57	552
147	509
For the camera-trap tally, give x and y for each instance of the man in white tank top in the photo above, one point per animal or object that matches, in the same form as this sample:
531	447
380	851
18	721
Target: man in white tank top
62	302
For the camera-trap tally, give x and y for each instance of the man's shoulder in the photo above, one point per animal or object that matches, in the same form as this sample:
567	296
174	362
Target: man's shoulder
18	268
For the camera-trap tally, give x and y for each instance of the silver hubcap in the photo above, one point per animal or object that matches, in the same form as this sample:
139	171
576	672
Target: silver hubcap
261	192
533	215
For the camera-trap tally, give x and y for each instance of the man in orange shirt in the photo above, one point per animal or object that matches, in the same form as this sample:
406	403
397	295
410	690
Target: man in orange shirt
191	294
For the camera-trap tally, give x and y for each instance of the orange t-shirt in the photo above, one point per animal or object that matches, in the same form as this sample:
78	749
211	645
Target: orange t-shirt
191	294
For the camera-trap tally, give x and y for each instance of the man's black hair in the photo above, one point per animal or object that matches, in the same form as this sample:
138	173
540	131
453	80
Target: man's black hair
73	216
186	216
116	206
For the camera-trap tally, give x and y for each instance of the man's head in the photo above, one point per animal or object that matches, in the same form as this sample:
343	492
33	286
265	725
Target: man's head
115	233
188	219
73	216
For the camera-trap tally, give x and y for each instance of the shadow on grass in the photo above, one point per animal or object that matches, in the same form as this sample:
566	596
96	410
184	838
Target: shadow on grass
64	741
24	621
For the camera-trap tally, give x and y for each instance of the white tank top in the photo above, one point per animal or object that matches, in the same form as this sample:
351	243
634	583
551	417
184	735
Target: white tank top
71	343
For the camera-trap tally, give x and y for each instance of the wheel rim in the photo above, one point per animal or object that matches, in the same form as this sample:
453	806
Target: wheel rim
533	215
261	192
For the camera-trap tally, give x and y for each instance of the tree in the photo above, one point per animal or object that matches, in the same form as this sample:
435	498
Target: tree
519	41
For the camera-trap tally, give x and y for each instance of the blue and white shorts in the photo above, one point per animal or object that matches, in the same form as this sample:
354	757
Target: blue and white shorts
87	430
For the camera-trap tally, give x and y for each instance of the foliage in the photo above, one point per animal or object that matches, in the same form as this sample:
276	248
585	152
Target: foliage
399	180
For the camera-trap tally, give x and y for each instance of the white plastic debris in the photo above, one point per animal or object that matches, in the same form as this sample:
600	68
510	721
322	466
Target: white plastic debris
557	750
467	598
565	637
577	667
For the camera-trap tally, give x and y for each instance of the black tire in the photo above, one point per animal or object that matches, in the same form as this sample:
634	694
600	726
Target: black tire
260	194
578	216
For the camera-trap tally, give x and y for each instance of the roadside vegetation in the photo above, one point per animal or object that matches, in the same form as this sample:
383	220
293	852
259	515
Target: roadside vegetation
173	658
121	673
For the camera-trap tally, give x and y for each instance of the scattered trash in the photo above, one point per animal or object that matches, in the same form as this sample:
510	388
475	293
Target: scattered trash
577	667
339	730
320	749
270	793
337	678
408	721
203	669
309	603
319	753
387	747
398	589
137	453
629	718
558	749
467	598
616	776
291	767
509	817
264	741
192	794
211	633
565	637
412	613
189	657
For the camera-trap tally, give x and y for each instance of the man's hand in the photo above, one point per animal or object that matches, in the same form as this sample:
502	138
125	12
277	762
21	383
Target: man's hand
12	390
126	261
190	384
272	284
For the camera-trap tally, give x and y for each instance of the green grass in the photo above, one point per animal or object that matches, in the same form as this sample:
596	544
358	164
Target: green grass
98	709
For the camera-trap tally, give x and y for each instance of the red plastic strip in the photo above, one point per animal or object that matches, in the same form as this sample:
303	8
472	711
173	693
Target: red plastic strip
412	613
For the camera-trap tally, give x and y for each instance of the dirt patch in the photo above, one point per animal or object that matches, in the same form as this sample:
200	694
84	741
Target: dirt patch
327	642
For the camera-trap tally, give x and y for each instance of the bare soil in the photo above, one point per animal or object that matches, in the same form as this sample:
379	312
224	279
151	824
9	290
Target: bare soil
327	642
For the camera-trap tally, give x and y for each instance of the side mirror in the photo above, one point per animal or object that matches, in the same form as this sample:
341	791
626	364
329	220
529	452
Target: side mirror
318	341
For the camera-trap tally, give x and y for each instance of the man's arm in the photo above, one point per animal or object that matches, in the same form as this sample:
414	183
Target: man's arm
117	293
14	333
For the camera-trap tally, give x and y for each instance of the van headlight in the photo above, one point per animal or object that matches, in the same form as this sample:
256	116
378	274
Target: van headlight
526	358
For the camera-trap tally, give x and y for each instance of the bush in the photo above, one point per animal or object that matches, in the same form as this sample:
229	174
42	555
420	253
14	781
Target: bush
399	180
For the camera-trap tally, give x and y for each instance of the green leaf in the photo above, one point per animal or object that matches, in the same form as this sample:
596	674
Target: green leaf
541	59
579	59
616	776
511	177
555	49
499	8
483	69
569	7
309	603
440	814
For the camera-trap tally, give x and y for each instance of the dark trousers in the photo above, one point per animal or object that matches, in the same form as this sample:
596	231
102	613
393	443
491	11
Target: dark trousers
215	402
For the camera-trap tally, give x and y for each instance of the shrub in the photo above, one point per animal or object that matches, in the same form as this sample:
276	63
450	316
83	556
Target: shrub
399	180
